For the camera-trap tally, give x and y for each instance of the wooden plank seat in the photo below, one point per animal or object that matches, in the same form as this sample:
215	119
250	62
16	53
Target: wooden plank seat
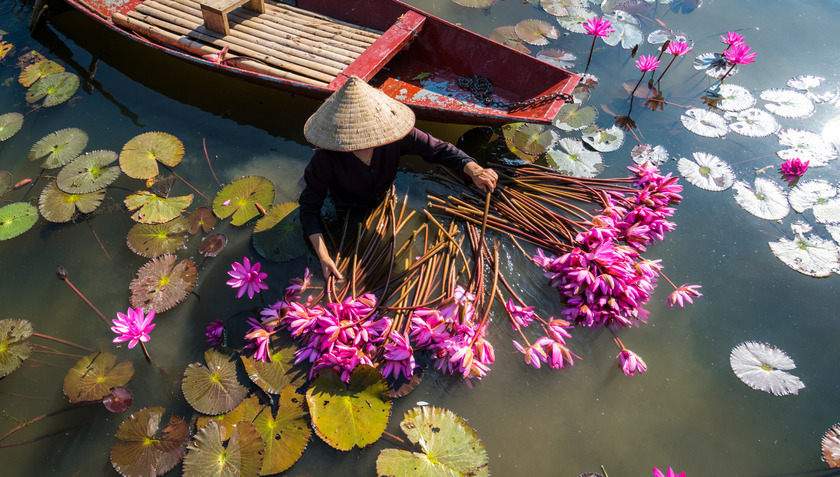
215	12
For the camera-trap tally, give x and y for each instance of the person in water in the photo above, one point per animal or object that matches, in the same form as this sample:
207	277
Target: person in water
359	134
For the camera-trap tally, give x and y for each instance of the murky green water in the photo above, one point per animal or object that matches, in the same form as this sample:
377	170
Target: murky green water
688	411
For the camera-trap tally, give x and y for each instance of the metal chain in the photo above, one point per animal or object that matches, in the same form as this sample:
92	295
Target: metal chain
482	88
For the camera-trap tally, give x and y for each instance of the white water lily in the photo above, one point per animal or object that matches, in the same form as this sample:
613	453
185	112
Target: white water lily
787	103
707	172
806	146
767	200
810	255
761	366
810	193
571	158
752	122
704	123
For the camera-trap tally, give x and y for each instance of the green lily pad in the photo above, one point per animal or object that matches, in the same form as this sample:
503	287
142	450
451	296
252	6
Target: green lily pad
58	206
573	117
37	70
161	284
506	35
476	3
17	218
93	376
285	434
242	197
450	447
202	218
88	173
212	245
351	415
273	376
247	410
155	209
10	124
14	349
509	133
571	158
279	236
213	389
59	147
536	32
5	182
140	155
154	240
208	456
141	452
54	89
534	138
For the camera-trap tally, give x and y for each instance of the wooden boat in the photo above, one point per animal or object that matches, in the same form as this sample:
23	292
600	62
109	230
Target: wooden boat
311	49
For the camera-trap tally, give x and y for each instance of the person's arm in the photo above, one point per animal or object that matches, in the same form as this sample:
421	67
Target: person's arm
316	178
435	151
485	179
328	266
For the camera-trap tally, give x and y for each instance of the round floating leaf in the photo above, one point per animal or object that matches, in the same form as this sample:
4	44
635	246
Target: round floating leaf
734	97
573	117
810	193
574	19
752	122
626	30
509	131
5	182
450	447
213	389
559	58
534	138
119	400
506	35
160	186
153	240
704	123
659	37
273	376
155	209
714	64
10	124
285	434
202	218
212	245
476	3
805	82
17	218
806	146
37	70
59	147
707	172
242	197
810	255
58	206
571	158
141	452
482	143
88	173
279	236
209	457
351	415
831	447
787	103
140	155
828	212
760	366
642	153
603	140
247	410
558	7
161	284
535	32
55	89
766	201
14	347
93	376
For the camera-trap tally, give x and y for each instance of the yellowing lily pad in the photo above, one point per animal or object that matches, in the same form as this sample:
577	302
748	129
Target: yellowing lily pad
140	451
208	456
247	410
17	218
161	284
506	35
285	434
202	218
239	199
10	124
54	89
155	209
58	206
273	376
88	173
153	240
37	70
140	155
14	347
534	138
5	48
59	147
279	236
536	32
93	376
213	389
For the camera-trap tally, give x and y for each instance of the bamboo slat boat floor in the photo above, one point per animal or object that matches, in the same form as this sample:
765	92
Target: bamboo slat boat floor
284	41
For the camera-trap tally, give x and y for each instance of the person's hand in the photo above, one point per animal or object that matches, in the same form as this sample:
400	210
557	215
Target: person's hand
486	179
327	264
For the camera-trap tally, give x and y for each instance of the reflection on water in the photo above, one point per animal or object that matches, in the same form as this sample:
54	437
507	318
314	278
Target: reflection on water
688	411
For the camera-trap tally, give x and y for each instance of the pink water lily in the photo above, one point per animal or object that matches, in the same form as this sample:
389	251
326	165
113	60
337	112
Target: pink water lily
731	39
598	26
247	278
215	333
682	295
740	54
793	169
133	327
678	48
260	336
659	473
630	363
399	357
647	63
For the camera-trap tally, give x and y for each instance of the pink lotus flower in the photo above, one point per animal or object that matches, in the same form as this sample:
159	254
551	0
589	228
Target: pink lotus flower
739	54
260	336
630	363
399	357
647	63
793	169
658	473
678	48
731	39
135	326
247	278
534	354
598	26
215	333
683	294
521	316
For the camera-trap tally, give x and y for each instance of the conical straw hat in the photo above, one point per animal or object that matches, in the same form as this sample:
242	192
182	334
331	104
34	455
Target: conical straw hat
358	116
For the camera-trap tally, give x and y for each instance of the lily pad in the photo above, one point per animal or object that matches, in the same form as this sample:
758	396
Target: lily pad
788	103
808	254
573	117
202	218
806	146
37	70
279	236
762	366
347	416
59	147
509	132
161	284
603	140
810	193
274	375
571	158
88	173
213	389
659	37
140	155
58	206
208	456
558	7
733	97
160	186
704	123
118	400
767	200
449	447
242	197
559	58
93	376
534	138
574	19
805	82
626	30
212	245
141	451
535	32
5	182
155	209
285	434
752	122
828	212
655	155
10	124
54	89
247	410
16	218
506	35
14	347
707	172
714	65
153	240
831	446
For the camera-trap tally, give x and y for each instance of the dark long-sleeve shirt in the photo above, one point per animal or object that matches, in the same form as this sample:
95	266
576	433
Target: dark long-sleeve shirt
354	182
